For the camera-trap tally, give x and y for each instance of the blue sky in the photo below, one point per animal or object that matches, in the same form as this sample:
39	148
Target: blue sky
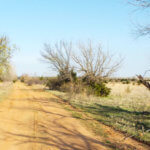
31	23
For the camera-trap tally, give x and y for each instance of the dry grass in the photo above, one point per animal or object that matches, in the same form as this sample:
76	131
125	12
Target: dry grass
136	91
133	97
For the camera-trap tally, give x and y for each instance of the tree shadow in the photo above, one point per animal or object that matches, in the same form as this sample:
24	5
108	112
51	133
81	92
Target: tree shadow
61	137
52	131
110	114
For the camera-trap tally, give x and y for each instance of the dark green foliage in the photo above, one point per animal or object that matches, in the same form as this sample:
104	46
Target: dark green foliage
74	76
70	83
125	81
139	82
63	78
41	78
53	84
22	79
99	89
96	86
122	80
14	81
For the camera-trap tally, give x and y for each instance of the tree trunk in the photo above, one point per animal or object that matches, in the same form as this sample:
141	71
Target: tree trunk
144	82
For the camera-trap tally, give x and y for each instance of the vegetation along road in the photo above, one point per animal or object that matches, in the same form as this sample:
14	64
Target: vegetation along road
30	119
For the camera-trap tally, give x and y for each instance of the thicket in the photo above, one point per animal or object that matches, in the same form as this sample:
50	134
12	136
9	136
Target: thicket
92	62
78	85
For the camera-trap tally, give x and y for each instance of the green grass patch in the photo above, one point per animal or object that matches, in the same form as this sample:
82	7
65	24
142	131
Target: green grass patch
77	115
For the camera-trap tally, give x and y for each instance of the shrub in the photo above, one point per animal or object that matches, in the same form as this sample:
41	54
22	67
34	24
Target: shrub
41	78
139	82
24	78
15	80
125	81
80	85
99	89
65	77
53	84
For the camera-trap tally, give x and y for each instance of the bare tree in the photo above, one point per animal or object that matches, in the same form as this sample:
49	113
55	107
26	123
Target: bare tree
58	56
142	30
94	63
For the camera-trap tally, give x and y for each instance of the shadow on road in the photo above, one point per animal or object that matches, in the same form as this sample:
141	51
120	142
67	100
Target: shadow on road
53	129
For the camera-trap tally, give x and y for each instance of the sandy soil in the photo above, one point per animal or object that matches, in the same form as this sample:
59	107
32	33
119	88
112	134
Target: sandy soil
30	120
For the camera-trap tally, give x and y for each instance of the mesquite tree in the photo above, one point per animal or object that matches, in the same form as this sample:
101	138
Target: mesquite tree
59	58
94	63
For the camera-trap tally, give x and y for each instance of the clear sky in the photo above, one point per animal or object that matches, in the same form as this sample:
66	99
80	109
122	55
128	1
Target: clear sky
31	23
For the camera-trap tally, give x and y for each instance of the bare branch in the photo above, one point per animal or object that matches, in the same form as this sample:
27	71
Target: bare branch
59	57
140	3
95	63
141	30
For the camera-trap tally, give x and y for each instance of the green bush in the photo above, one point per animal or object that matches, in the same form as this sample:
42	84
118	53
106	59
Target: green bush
65	77
139	82
125	81
78	85
22	79
99	89
63	81
53	84
15	80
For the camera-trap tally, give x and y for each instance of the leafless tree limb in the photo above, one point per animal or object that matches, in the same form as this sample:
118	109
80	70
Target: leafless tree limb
59	57
142	30
95	63
140	3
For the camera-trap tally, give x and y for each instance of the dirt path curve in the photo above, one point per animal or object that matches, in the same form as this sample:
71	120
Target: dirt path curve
30	120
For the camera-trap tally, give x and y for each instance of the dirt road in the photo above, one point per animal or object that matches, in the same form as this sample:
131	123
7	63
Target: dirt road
30	120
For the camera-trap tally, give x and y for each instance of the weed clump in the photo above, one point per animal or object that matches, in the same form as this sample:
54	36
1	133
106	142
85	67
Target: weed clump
98	89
